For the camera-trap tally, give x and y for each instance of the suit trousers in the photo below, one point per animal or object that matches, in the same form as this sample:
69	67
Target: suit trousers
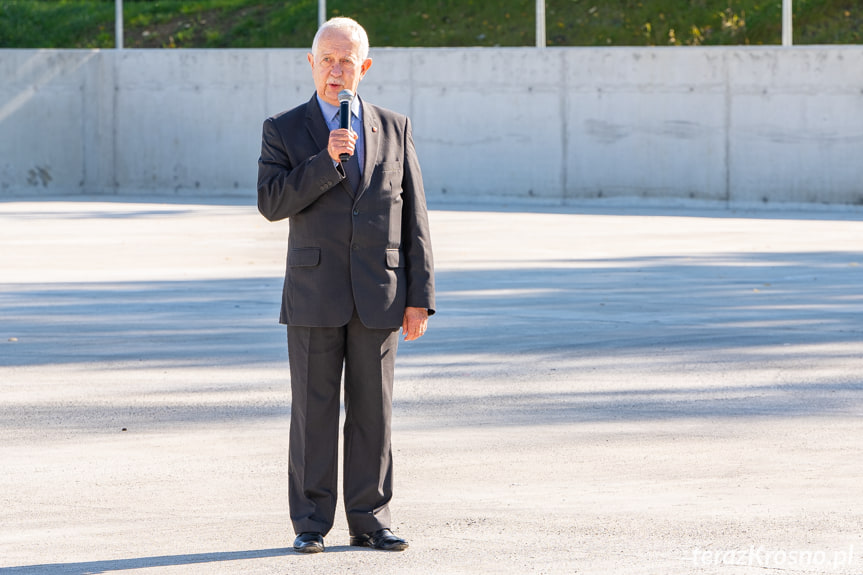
317	356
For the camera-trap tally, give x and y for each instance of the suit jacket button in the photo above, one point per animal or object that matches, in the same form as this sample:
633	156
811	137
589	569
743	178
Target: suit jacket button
356	212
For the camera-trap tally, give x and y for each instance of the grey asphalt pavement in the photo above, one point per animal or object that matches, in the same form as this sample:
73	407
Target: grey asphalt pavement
606	388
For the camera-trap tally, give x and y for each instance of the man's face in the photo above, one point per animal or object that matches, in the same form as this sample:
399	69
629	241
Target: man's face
337	66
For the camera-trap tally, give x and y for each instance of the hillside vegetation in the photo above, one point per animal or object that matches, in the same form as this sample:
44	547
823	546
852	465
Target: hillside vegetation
291	23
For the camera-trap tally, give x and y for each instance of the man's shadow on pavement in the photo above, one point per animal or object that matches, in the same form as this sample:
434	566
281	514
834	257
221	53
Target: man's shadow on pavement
97	567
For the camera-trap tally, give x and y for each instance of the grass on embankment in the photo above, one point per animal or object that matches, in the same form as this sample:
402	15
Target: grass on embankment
281	23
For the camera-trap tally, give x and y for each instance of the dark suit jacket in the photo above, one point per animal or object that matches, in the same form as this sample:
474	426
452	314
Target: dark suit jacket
371	250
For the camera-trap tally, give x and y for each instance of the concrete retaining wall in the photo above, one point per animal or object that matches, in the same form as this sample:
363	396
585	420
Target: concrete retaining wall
731	124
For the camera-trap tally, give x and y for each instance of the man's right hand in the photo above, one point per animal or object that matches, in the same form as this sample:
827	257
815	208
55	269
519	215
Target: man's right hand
342	141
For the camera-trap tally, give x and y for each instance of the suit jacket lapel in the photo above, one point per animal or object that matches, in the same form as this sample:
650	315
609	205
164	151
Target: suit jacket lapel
316	124
372	142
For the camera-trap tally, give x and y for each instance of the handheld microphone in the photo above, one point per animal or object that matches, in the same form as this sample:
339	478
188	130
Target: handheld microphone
345	99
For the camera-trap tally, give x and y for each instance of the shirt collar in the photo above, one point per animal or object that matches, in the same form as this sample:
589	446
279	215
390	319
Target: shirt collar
329	111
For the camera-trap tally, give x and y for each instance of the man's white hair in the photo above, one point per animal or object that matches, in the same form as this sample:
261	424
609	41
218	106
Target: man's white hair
348	25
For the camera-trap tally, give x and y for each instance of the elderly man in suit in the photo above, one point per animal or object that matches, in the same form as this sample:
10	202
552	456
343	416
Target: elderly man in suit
359	267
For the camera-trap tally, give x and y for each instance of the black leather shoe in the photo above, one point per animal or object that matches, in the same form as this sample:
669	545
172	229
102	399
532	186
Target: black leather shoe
309	543
382	539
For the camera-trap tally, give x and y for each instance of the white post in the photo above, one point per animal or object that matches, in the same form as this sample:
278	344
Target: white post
118	24
540	23
787	37
322	12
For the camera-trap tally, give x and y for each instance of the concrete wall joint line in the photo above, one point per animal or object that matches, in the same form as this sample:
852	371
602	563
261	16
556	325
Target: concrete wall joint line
564	128
727	134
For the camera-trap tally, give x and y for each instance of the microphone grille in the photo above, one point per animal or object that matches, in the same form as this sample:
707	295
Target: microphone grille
346	96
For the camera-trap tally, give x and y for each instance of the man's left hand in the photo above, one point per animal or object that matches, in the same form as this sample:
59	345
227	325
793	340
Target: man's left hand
415	322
